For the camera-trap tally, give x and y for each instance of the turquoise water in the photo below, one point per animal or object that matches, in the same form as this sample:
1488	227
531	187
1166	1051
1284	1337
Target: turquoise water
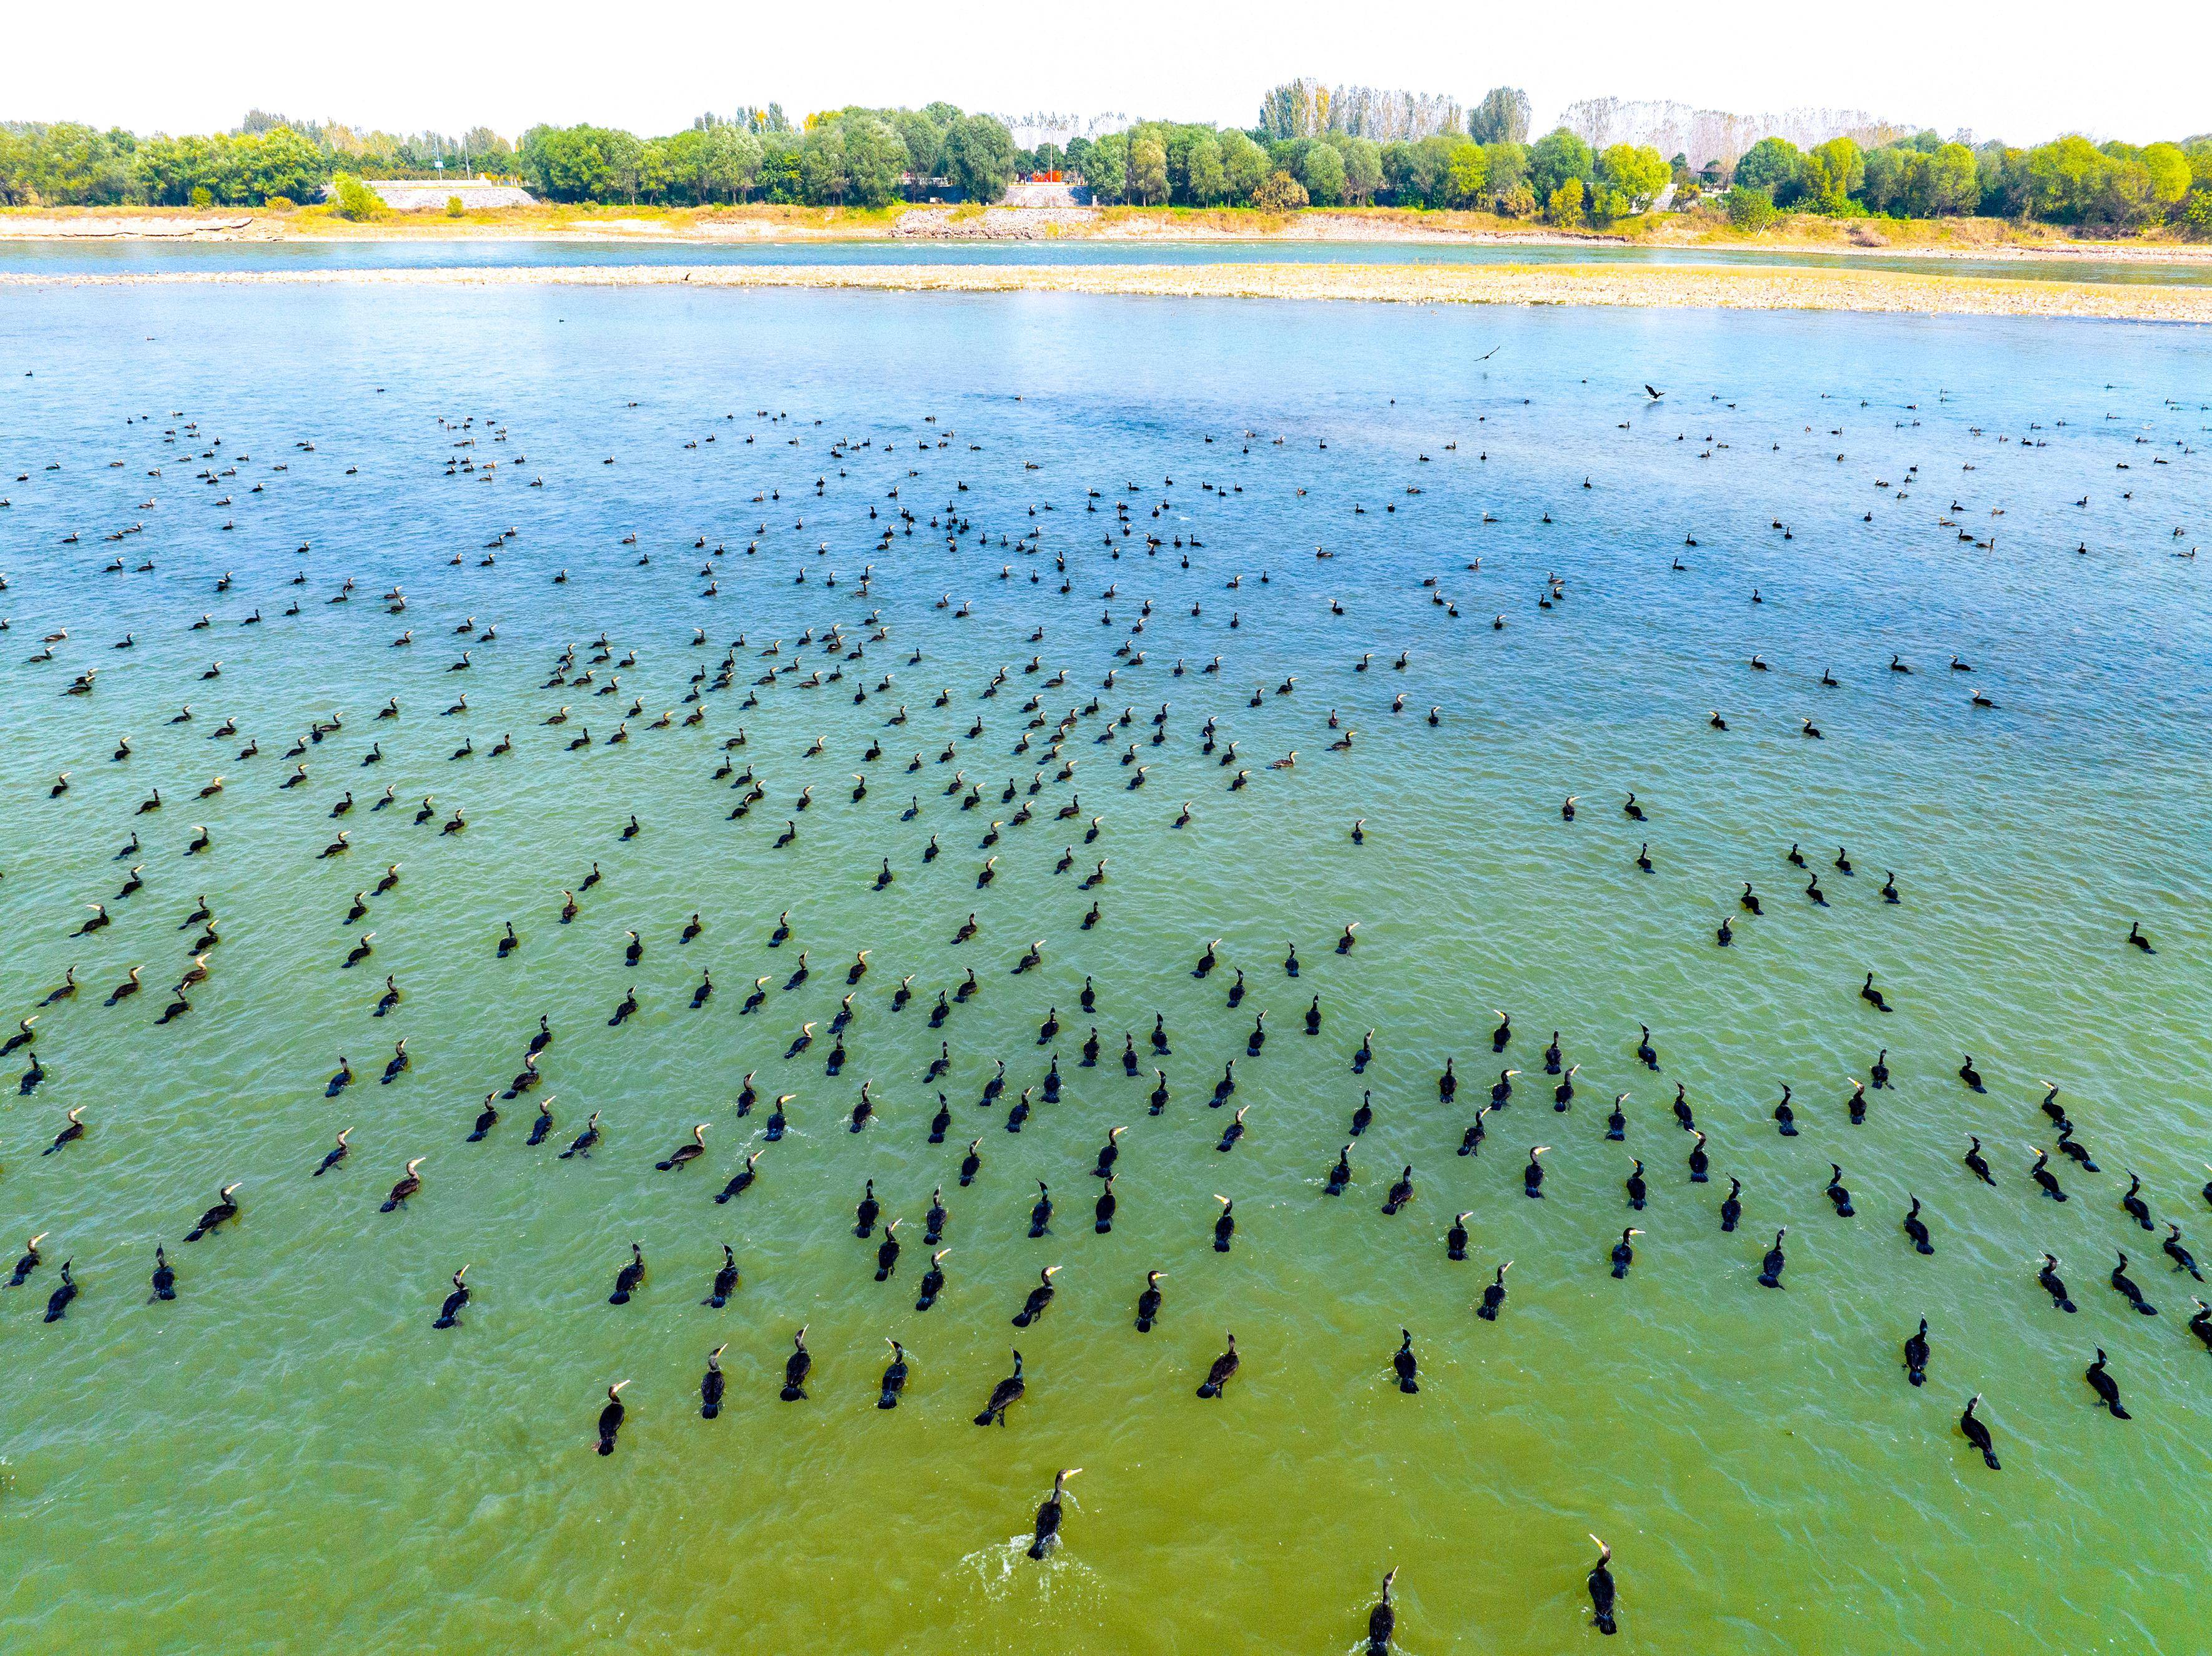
289	1454
117	258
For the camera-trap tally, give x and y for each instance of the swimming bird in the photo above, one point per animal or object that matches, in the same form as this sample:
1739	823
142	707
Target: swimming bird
1916	1355
2125	1286
405	1186
2052	1284
1602	1591
2106	1388
685	1154
1220	1372
1048	1514
449	1311
1004	1396
1381	1620
611	1417
221	1213
1403	1363
796	1368
1978	1433
1493	1295
1769	1273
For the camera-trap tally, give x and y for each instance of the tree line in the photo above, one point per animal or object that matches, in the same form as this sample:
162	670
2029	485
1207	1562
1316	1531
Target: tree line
268	158
855	157
2069	180
1311	146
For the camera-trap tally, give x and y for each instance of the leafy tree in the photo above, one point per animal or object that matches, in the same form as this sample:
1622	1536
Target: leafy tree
1502	117
453	208
875	160
1362	168
1209	180
1635	173
2169	174
2066	178
1556	157
1324	177
1465	172
1831	174
1508	164
823	175
925	142
1564	204
1148	170
979	157
1771	165
1106	169
1246	164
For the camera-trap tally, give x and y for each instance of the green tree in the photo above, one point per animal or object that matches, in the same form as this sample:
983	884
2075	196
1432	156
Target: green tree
2067	178
822	174
925	144
1771	165
1324	177
1246	164
1564	204
1556	157
1466	172
1148	170
1502	117
875	160
1362	168
1508	164
1106	169
1209	180
1635	172
1831	174
453	208
979	157
2169	174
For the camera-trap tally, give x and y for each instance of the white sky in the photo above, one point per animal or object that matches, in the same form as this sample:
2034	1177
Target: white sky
2024	71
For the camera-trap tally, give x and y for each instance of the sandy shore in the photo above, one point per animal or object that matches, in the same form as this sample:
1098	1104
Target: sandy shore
1748	287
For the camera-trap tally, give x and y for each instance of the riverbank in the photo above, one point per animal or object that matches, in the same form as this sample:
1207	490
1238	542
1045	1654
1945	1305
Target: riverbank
1662	287
1975	239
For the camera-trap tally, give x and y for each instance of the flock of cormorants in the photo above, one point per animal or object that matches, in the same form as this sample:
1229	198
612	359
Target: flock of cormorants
1138	721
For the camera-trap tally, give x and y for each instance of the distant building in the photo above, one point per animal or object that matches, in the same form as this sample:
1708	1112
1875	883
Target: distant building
431	195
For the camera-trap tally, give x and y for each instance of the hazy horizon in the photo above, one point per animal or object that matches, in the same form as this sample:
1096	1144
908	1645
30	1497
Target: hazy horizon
1157	62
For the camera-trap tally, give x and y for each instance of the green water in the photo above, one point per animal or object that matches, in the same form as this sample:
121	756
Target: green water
288	1456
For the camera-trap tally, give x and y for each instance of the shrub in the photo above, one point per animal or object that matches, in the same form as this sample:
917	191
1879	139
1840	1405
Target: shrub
453	208
1750	209
201	197
355	199
280	204
1280	194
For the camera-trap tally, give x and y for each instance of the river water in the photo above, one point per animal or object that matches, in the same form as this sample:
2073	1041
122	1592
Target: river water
289	1455
124	256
